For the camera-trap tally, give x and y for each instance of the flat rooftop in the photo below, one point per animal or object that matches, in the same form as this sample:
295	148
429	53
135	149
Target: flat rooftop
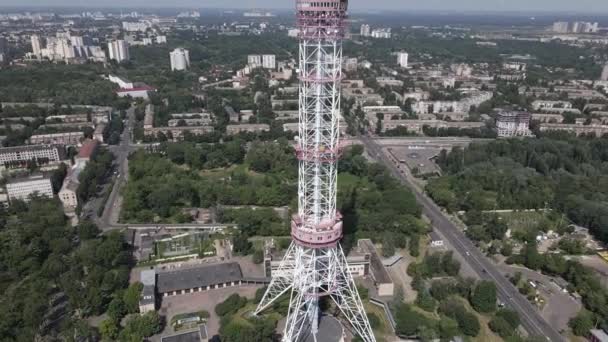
377	267
189	278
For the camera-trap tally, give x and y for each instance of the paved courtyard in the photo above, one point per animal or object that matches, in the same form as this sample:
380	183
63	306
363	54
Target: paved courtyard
197	301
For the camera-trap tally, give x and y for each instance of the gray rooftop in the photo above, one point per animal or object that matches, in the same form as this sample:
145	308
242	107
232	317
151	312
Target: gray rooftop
192	336
148	277
378	271
189	278
600	335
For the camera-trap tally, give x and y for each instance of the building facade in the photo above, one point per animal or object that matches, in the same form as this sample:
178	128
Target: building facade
22	189
180	59
51	153
269	62
118	50
402	59
512	124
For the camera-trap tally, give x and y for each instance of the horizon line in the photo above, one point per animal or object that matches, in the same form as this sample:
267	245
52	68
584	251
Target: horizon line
359	10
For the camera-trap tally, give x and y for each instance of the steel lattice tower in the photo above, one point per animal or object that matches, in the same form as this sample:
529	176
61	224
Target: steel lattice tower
315	265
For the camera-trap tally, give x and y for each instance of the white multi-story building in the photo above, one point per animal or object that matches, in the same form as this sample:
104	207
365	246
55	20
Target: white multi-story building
161	39
118	50
560	27
22	189
36	46
402	59
382	33
180	59
254	61
269	61
52	153
77	41
365	30
135	27
510	124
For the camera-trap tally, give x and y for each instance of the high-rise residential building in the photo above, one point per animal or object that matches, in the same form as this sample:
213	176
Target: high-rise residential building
36	45
269	61
365	30
77	41
560	27
180	59
3	49
402	59
118	50
604	76
254	61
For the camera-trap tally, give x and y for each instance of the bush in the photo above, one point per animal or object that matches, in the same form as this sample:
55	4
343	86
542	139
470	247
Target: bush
467	321
510	316
409	321
231	305
500	326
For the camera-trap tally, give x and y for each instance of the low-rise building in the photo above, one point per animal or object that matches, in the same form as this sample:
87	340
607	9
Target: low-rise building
202	278
547	104
177	133
87	151
250	128
23	154
416	126
382	279
65	138
99	131
597	130
23	188
548	118
147	299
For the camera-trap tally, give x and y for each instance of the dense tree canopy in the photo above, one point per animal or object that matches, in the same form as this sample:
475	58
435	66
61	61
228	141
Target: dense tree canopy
568	175
48	268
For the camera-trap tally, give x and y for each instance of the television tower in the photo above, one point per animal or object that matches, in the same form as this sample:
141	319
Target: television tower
315	265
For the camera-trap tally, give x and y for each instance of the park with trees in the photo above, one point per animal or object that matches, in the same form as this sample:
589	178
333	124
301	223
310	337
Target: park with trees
561	173
55	276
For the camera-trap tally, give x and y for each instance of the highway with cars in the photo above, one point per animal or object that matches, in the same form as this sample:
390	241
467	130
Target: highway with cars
531	319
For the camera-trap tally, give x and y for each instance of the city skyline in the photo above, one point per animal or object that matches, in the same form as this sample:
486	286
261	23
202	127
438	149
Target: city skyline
583	6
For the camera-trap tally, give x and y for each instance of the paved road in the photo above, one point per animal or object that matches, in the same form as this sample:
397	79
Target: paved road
121	153
531	319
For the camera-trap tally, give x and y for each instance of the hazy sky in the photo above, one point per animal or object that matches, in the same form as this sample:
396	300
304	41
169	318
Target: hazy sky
584	6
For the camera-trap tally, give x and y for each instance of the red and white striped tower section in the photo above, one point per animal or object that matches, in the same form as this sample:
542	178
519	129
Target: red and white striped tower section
315	265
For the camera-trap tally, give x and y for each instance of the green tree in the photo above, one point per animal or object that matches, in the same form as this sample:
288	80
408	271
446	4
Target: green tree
131	297
108	329
582	323
483	298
